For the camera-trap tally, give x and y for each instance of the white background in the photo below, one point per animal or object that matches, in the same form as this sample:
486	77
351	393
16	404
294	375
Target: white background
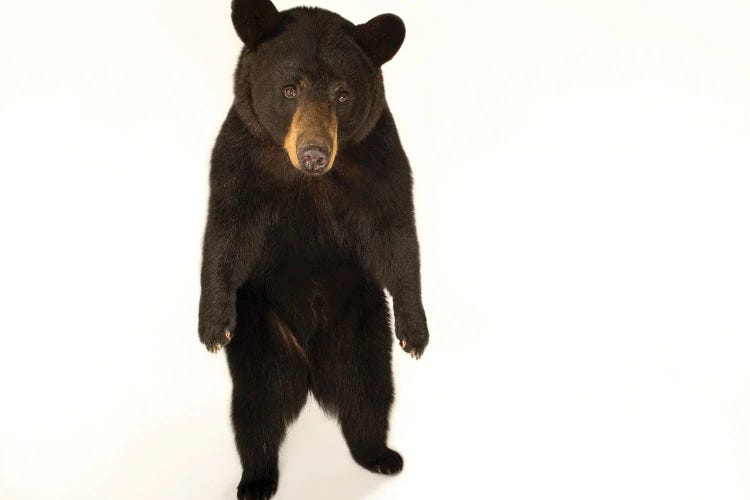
582	186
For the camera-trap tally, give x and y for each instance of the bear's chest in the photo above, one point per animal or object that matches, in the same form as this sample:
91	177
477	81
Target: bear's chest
311	250
315	224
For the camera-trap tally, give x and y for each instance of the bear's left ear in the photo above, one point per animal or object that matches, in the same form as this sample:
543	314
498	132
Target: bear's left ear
381	37
254	20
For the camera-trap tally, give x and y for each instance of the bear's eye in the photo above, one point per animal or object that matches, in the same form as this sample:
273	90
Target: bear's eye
343	96
290	91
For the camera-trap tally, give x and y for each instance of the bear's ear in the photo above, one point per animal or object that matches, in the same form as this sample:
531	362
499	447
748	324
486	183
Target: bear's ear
254	20
381	37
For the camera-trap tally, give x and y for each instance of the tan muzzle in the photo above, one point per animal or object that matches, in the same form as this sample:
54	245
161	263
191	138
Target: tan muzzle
311	141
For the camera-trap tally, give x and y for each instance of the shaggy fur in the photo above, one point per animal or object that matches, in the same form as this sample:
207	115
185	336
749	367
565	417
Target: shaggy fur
294	265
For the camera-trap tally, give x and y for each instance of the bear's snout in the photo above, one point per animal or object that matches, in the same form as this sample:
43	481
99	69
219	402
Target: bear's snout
312	139
313	158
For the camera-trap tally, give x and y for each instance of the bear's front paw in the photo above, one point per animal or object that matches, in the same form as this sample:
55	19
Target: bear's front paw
413	339
217	340
215	335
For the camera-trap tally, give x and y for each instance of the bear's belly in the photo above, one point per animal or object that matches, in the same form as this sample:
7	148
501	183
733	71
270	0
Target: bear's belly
311	283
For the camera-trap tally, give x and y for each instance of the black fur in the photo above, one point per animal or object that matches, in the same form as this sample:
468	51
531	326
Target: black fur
294	265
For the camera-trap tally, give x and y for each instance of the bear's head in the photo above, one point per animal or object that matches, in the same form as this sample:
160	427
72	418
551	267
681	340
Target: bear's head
309	79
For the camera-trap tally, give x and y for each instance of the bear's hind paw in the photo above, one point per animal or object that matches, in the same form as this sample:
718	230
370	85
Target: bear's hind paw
257	489
388	463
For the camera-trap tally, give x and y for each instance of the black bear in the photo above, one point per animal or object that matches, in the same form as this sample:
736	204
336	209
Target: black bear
310	218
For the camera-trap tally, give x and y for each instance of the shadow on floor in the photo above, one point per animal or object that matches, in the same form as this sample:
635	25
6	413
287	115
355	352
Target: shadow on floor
192	456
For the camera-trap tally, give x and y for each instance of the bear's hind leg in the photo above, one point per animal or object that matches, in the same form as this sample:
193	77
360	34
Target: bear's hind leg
270	378
352	378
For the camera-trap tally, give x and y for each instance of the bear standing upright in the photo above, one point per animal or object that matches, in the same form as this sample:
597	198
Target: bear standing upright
310	218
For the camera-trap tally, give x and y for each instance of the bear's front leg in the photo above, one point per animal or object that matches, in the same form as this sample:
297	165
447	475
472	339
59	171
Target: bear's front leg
231	245
220	278
216	318
396	259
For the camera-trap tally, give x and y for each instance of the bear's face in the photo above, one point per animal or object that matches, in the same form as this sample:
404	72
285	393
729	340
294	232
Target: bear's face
311	79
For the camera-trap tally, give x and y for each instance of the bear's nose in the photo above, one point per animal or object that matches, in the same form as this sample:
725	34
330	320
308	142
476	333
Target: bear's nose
313	158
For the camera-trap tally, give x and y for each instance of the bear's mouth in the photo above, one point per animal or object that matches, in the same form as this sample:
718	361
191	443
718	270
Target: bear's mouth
312	140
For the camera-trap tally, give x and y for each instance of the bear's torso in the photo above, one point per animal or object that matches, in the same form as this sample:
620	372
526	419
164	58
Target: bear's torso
313	231
312	247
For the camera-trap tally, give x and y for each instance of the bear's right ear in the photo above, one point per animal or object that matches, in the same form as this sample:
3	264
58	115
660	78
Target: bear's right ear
254	20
